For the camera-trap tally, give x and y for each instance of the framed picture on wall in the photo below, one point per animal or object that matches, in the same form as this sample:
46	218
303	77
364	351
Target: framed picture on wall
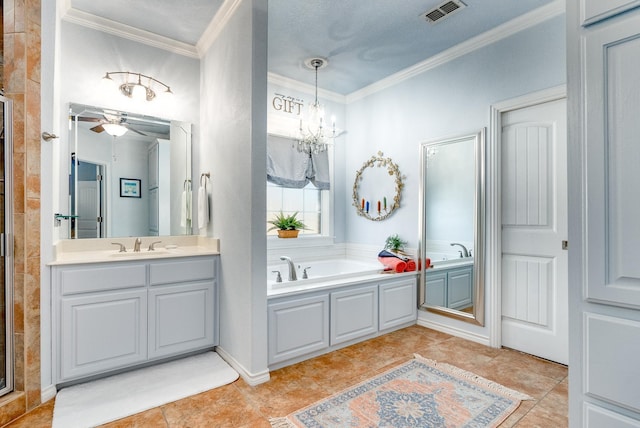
130	188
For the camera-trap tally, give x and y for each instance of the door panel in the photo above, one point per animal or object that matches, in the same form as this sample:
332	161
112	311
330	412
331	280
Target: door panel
534	224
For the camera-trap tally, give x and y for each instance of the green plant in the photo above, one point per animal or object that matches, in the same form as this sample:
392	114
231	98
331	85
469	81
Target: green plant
394	243
286	222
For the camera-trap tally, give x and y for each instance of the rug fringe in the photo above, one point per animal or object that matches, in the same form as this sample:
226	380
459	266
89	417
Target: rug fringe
281	423
489	384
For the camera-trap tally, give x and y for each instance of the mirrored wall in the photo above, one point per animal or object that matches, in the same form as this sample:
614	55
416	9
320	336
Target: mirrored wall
451	226
130	174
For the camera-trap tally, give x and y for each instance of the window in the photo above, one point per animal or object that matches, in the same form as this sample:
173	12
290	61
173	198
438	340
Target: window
299	182
311	204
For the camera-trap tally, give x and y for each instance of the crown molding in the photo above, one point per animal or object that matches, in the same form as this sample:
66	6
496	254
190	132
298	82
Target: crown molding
277	79
217	24
503	31
127	32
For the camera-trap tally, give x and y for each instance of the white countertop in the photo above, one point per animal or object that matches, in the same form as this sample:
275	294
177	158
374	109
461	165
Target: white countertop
451	263
77	251
303	286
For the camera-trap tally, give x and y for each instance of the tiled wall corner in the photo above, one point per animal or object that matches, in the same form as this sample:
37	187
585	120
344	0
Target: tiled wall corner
21	81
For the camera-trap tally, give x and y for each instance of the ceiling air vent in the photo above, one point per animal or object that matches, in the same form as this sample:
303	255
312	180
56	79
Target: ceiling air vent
443	10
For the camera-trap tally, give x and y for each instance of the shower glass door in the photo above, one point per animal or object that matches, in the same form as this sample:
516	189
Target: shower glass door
6	257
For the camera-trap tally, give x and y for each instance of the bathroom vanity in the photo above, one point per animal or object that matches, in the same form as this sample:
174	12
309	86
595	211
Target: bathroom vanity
112	315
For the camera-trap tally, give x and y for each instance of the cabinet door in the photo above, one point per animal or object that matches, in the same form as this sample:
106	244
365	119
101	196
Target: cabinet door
297	327
354	313
460	288
437	288
101	332
180	318
612	153
398	303
597	10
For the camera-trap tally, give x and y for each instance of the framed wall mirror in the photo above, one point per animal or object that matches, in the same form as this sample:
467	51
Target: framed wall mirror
452	210
150	153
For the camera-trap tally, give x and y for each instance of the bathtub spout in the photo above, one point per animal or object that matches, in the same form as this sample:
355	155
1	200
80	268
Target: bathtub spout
292	268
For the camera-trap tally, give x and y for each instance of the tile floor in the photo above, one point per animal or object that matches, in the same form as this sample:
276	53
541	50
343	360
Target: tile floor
240	405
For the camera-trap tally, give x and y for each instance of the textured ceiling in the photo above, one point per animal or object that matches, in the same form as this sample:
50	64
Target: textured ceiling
364	40
181	20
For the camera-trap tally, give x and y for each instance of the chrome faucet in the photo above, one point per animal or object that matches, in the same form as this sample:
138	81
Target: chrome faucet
464	252
152	246
136	245
292	268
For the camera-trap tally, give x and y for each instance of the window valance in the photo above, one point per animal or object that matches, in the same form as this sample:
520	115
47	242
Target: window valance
288	167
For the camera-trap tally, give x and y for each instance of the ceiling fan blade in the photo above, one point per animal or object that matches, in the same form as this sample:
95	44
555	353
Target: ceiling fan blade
98	128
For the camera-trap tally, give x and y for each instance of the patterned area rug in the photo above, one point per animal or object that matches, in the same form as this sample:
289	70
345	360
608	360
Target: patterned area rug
418	393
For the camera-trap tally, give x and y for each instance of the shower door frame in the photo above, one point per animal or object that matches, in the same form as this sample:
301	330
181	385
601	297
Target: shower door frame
6	244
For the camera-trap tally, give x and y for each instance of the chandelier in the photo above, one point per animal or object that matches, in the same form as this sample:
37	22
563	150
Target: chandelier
137	85
313	136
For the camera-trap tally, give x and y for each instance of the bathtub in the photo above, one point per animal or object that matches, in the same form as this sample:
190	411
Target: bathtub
321	272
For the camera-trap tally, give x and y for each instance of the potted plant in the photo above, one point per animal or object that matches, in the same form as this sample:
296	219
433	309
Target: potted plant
394	244
288	225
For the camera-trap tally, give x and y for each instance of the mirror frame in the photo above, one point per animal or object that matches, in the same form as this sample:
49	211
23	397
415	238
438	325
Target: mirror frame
378	161
477	317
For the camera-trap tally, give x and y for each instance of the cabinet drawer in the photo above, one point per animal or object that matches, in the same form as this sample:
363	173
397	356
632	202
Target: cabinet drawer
92	278
181	271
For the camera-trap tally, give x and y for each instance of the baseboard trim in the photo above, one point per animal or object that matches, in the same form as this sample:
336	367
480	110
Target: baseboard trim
252	379
464	334
48	393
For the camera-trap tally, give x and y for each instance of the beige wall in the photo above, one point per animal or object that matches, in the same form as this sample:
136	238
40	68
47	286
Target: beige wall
22	84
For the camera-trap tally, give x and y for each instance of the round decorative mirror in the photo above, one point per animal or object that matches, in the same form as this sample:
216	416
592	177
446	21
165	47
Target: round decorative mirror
377	188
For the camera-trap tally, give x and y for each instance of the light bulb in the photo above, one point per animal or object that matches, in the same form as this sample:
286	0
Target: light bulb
114	129
167	95
139	92
107	84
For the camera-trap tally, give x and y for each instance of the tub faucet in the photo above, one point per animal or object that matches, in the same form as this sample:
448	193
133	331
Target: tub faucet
292	268
136	245
464	252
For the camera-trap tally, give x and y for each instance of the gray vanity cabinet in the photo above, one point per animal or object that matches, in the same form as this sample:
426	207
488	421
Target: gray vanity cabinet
354	313
110	316
450	288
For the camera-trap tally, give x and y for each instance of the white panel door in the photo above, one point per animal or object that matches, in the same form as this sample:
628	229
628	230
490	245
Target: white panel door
88	209
534	224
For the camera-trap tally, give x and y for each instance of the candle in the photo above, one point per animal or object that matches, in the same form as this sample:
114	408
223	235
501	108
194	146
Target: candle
385	203
362	203
367	207
378	207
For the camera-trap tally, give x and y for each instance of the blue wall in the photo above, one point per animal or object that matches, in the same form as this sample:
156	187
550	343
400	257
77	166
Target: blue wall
449	100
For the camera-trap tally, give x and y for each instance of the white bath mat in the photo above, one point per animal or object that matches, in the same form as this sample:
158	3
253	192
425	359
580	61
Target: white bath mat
105	400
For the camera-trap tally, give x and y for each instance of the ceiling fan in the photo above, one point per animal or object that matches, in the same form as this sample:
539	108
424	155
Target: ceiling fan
109	118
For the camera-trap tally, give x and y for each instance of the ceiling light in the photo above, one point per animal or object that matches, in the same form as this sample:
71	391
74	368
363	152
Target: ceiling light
312	137
115	129
136	85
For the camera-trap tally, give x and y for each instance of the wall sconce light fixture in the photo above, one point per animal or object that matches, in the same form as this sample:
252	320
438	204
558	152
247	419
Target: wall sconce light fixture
137	86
